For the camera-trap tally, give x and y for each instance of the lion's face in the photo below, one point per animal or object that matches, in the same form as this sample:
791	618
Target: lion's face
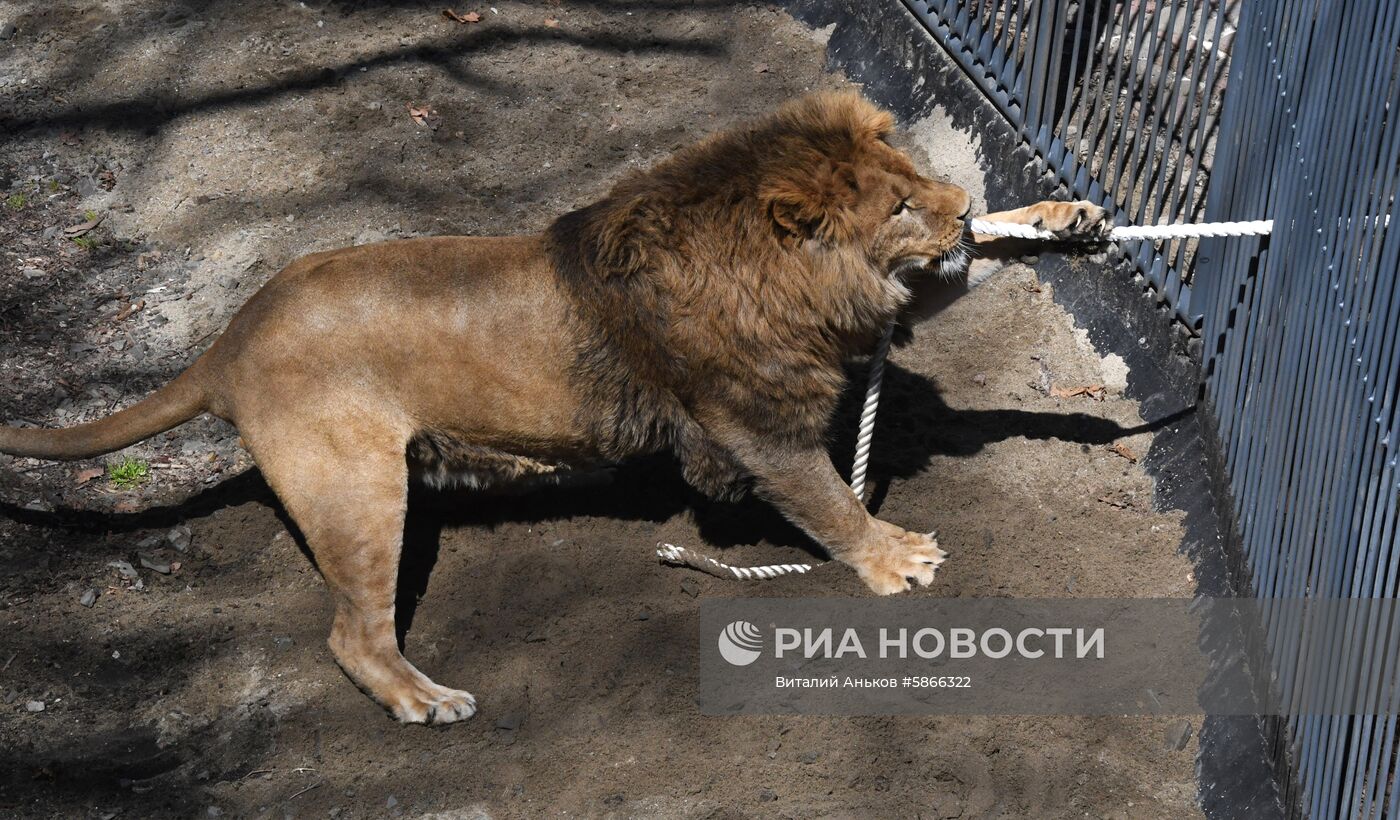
906	221
854	192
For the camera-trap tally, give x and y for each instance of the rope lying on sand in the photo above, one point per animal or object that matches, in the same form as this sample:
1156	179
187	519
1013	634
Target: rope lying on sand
680	556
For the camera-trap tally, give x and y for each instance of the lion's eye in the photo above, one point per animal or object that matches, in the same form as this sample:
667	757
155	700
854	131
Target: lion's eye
900	208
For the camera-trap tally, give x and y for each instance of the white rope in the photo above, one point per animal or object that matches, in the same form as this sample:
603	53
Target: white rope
867	413
680	556
1124	233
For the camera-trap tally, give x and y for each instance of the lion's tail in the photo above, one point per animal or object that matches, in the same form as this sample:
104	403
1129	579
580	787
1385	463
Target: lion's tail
176	402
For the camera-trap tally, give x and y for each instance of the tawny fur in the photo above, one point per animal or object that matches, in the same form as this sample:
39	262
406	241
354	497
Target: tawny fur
703	307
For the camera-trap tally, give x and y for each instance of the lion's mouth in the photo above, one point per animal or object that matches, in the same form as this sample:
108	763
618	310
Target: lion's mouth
951	263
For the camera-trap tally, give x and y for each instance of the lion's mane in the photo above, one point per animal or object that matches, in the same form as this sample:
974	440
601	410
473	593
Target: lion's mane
692	290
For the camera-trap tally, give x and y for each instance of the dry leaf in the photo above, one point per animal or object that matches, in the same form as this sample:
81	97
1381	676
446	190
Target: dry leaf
82	477
469	17
107	180
1031	287
144	260
1122	449
425	115
1093	391
75	231
551	22
128	310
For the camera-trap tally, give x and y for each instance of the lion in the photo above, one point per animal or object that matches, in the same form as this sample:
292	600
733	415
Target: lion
704	306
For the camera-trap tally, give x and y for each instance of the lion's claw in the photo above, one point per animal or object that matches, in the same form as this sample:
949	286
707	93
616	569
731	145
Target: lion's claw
900	559
1074	220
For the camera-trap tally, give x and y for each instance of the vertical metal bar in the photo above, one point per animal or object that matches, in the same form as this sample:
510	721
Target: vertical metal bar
1301	350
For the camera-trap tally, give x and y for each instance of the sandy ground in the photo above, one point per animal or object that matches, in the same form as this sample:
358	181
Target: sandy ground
219	141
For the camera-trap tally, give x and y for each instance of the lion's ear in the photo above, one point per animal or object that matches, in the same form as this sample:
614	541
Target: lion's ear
626	234
812	202
794	211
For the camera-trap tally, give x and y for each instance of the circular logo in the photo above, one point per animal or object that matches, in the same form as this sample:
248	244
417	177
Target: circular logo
740	643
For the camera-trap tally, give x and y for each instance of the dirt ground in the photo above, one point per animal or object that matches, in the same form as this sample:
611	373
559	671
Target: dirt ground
216	142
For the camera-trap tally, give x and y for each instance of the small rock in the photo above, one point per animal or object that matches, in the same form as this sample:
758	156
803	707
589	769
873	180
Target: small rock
51	232
87	186
391	802
980	380
690	587
375	105
180	537
946	806
644	615
808	758
89	597
7	30
32	273
1178	735
155	563
34	706
767	795
125	570
214	811
614	799
510	722
1030	260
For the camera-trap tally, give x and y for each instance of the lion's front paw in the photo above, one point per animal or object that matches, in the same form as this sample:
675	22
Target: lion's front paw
1071	220
898	558
430	703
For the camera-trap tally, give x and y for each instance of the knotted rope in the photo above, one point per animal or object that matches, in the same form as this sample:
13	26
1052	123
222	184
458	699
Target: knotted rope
680	556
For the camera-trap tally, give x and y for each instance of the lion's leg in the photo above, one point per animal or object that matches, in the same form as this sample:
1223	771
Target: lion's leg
346	486
1068	220
1071	219
807	489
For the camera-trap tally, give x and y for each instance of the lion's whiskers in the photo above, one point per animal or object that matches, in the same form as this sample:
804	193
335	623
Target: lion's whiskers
953	263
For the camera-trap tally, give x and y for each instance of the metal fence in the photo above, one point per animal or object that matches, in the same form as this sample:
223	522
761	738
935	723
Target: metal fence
1251	109
1120	98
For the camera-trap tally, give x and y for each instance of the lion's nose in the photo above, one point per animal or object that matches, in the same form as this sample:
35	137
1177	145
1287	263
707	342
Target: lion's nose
953	200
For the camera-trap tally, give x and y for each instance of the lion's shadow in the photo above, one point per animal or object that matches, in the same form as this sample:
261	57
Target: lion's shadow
915	426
